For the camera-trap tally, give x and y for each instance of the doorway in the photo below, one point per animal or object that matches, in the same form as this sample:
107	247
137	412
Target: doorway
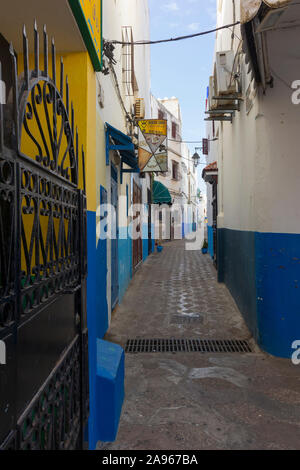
215	221
149	223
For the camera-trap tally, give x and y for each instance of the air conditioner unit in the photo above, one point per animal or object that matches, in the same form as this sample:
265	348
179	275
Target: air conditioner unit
214	104
224	73
139	108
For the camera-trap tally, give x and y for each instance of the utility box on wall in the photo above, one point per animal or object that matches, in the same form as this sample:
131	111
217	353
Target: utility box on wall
225	72
109	389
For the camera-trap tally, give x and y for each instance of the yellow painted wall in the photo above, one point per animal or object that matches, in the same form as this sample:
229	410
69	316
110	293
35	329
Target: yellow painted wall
82	91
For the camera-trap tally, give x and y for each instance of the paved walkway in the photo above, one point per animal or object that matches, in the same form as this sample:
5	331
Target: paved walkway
193	401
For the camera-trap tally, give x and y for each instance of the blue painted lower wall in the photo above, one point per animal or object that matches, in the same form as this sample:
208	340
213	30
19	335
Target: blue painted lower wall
101	289
97	317
145	241
125	261
210	240
187	228
278	291
262	272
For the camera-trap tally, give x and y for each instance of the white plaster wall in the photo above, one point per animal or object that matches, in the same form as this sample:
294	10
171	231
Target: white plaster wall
185	164
116	14
174	148
258	161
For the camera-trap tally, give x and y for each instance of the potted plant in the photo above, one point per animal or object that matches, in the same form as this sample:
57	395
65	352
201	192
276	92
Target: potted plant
205	247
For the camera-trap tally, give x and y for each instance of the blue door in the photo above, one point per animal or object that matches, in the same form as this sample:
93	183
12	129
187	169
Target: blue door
114	241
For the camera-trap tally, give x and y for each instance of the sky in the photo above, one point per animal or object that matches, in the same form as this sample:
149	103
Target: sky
182	69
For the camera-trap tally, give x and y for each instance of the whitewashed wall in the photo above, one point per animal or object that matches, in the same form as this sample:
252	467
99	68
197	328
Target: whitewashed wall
259	167
116	14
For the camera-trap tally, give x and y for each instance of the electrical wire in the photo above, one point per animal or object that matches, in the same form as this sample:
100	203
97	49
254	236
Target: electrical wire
180	38
191	141
186	141
128	116
281	79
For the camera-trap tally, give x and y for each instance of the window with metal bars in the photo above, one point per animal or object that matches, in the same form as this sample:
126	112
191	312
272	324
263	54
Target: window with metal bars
129	79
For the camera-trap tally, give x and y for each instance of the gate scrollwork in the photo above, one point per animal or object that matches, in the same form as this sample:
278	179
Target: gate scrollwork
43	239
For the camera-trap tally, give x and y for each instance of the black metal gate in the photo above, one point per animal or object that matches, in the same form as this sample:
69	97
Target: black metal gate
44	396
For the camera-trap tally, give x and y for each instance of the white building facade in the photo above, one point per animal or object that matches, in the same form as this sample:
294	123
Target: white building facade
181	178
123	96
253	166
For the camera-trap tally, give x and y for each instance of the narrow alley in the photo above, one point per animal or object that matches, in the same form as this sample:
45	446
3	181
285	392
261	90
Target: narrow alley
149	227
194	401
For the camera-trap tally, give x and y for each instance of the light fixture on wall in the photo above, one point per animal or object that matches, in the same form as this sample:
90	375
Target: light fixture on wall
196	157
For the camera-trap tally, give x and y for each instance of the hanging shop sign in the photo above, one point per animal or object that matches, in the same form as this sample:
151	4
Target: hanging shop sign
153	151
88	14
205	146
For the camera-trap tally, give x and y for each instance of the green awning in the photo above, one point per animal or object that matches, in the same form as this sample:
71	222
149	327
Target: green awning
161	194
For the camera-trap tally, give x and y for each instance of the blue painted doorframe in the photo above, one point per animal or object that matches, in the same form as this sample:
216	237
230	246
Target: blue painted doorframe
114	240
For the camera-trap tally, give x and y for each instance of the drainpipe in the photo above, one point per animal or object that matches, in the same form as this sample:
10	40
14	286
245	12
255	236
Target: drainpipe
234	21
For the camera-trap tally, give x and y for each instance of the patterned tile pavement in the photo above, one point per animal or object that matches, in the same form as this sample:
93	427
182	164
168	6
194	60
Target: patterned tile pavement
191	401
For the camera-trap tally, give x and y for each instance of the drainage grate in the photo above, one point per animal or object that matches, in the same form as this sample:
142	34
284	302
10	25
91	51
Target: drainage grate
187	345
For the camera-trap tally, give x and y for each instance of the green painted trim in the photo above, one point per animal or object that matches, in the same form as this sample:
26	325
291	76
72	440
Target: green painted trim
84	29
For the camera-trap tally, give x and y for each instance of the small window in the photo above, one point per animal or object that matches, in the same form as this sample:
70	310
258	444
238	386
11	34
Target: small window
160	114
129	79
174	130
175	173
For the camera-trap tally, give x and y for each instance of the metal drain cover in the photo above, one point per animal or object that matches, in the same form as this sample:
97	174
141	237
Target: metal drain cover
187	345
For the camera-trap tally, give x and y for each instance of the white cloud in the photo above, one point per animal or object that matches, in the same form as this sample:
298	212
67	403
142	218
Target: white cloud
194	26
171	6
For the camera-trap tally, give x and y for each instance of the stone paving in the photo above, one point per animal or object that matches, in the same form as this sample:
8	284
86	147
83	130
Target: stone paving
194	401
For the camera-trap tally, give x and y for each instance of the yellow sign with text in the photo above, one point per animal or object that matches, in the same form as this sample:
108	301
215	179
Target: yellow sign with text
88	14
154	126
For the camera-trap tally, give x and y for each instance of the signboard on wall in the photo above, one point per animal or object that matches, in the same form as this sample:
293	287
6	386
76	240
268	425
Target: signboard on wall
205	146
153	151
88	14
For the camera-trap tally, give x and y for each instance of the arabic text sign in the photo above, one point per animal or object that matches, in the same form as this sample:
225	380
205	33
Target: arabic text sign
154	126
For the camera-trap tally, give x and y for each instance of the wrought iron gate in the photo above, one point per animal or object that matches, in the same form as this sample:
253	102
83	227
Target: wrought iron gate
44	396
